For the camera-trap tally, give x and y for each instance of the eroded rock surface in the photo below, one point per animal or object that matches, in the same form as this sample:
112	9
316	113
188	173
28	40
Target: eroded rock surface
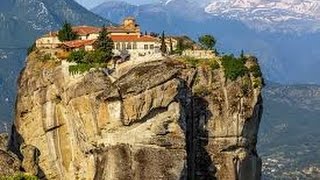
9	162
159	120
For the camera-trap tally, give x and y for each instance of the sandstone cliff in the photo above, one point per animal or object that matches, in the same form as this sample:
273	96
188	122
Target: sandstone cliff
158	120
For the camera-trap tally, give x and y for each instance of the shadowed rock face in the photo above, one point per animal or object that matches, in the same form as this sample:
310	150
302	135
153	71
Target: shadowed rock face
159	120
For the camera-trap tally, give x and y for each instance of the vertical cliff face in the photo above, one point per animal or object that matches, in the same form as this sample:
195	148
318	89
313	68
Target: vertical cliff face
158	120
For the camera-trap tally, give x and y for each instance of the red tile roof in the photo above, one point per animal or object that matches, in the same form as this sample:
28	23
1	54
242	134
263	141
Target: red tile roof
85	30
78	43
133	38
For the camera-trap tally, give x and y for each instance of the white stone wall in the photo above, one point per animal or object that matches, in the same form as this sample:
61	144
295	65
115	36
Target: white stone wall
201	54
137	48
48	42
89	37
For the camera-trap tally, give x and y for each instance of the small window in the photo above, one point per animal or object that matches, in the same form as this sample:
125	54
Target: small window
151	46
135	45
118	46
146	46
123	46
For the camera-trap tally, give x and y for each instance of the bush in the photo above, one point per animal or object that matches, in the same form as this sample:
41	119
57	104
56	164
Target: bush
257	83
233	67
79	68
19	177
96	56
192	61
77	56
213	64
256	71
201	90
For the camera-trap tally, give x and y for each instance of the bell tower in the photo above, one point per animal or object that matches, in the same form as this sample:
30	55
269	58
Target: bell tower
129	23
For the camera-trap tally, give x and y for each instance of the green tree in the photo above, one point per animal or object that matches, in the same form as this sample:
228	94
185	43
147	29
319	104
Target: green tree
242	54
233	67
163	46
180	46
171	46
207	41
105	44
66	33
77	56
97	56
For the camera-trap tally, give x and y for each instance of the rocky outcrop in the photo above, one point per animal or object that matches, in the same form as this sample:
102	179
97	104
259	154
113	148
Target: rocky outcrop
9	162
158	120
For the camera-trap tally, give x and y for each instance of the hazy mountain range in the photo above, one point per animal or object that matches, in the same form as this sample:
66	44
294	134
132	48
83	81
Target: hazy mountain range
285	56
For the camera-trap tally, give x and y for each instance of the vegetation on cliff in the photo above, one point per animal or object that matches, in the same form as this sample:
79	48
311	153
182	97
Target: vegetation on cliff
20	176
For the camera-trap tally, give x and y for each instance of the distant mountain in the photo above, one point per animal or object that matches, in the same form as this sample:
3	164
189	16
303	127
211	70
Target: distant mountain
284	57
272	15
21	21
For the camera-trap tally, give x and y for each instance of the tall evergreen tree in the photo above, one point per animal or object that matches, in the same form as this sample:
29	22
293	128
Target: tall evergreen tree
207	41
66	33
163	46
180	46
171	46
104	43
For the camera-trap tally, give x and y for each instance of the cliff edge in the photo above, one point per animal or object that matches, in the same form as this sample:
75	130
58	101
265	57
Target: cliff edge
163	119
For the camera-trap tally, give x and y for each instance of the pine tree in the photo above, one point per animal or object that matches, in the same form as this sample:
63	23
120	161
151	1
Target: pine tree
163	46
104	43
66	33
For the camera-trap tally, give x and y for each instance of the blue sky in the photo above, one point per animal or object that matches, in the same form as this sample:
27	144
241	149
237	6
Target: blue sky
92	3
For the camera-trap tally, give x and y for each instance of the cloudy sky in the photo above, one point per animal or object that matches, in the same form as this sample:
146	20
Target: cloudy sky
92	3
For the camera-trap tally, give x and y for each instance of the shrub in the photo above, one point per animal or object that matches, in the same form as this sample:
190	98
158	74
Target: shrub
256	71
213	64
19	176
192	61
77	56
257	83
201	90
233	67
79	68
97	56
44	57
245	85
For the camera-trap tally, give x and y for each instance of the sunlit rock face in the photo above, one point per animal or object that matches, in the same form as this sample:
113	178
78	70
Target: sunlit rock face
158	120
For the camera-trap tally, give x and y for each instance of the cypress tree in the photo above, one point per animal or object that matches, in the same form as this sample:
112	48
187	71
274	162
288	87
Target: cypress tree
171	46
104	43
163	46
66	33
